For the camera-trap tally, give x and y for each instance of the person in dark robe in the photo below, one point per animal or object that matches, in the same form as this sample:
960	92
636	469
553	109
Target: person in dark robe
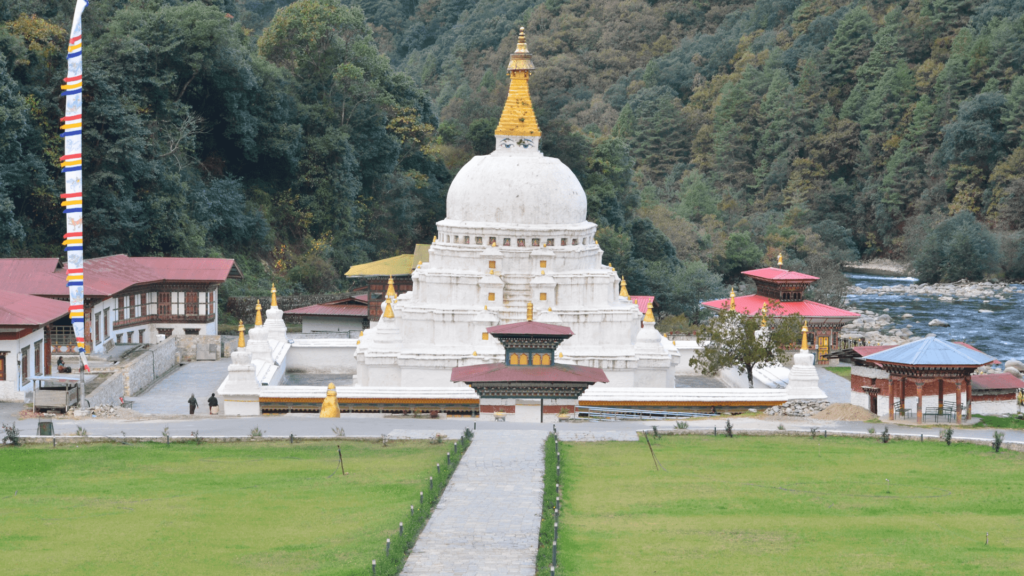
192	403
212	401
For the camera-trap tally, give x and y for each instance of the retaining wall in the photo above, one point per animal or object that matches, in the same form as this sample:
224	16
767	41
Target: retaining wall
187	345
128	378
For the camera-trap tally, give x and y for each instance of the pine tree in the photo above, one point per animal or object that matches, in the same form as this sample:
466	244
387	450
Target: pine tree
848	48
1013	114
889	100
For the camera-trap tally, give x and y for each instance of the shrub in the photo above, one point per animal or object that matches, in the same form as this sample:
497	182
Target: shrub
85	433
871	430
11	434
338	431
885	435
947	435
680	425
814	433
781	427
728	428
256	432
997	440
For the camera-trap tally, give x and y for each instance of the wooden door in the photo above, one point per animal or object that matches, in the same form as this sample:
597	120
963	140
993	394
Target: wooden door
822	349
3	366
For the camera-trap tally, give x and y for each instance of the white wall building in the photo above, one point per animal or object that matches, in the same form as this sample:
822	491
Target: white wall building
24	346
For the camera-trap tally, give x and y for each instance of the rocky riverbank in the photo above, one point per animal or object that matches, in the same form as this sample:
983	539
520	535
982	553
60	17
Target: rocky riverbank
919	308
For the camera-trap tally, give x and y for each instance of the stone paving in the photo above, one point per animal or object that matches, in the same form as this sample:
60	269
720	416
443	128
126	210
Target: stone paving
488	520
834	386
170	395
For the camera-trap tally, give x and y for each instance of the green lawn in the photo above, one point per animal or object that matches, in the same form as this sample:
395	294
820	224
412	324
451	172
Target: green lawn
260	508
750	505
843	371
999	422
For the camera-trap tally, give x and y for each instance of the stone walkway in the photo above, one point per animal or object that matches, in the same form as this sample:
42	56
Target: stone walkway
170	395
488	520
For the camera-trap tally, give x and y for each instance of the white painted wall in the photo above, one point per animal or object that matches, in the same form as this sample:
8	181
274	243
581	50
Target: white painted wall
312	324
323	356
12	389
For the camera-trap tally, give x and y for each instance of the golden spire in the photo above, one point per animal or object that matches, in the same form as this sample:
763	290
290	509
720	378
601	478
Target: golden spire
622	288
241	334
273	296
780	259
418	264
518	119
329	408
649	317
529	311
764	315
803	345
732	299
391	295
259	316
434	240
388	312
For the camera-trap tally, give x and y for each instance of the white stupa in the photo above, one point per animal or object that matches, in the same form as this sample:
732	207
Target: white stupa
516	231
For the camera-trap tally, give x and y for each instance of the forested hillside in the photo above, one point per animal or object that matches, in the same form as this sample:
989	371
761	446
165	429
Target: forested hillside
710	136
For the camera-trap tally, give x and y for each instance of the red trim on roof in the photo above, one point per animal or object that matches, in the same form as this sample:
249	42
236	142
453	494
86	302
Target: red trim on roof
642	302
505	373
330	310
779	274
530	329
752	304
1002	381
26	310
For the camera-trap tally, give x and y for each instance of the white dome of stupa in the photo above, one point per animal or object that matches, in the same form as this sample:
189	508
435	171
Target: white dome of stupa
517	188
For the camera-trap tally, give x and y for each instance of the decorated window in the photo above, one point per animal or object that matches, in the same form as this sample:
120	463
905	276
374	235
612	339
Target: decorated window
490	296
151	304
506	242
575	241
521	242
535	242
479	240
546	360
543	295
513	359
550	242
492	241
565	241
536	359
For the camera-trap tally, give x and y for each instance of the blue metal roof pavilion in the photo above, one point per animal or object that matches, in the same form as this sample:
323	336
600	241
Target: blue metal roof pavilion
932	352
929	360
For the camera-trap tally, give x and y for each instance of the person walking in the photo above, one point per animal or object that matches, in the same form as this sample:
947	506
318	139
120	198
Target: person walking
192	403
213	403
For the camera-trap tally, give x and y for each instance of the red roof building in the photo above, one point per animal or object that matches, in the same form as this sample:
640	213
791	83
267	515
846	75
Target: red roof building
529	369
348	316
781	293
25	323
127	299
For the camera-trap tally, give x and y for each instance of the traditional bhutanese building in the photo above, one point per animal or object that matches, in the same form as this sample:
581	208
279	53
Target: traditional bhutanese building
780	292
398	269
529	370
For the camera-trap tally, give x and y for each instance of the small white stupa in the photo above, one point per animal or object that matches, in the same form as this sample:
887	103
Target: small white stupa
803	377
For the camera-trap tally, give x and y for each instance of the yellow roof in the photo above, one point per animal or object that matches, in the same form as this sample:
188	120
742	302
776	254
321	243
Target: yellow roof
401	265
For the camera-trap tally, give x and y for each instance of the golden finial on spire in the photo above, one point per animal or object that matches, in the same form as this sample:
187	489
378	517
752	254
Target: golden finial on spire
259	316
764	315
649	316
622	288
241	334
391	294
529	311
732	299
803	345
434	240
388	312
780	259
518	119
273	296
418	264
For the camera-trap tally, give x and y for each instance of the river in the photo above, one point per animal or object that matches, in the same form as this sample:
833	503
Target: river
999	334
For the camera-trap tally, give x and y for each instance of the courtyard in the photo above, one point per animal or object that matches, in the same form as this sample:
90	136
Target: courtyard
790	505
252	508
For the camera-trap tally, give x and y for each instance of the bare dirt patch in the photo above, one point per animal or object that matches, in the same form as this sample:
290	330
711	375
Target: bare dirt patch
847	412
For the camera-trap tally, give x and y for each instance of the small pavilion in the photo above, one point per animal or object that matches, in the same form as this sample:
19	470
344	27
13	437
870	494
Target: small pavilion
780	292
529	370
931	365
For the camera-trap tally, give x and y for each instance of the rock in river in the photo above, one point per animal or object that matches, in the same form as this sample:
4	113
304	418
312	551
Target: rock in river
938	322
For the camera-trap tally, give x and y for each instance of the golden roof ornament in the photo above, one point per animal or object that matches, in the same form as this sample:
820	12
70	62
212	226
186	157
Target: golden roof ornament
803	345
241	334
273	296
780	259
622	288
434	240
388	312
732	299
764	315
391	294
649	316
259	316
529	311
518	118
